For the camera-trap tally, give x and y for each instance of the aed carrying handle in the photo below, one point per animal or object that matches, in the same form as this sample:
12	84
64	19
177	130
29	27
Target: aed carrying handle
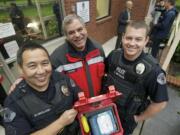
107	98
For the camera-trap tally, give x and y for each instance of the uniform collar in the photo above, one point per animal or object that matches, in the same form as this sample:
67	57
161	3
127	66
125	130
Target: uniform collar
128	62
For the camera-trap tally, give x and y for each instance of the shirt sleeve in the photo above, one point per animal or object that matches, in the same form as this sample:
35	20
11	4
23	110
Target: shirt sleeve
55	60
73	88
156	86
15	122
165	21
107	61
106	80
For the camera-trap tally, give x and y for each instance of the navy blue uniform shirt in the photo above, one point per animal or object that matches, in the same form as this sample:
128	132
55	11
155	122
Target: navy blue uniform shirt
20	124
155	84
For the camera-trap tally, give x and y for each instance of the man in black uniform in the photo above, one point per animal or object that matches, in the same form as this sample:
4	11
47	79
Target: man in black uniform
41	103
138	76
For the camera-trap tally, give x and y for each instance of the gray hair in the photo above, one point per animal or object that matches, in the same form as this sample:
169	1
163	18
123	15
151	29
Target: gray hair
69	19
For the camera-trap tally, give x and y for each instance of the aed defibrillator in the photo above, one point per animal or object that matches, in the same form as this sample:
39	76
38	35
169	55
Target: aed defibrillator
98	115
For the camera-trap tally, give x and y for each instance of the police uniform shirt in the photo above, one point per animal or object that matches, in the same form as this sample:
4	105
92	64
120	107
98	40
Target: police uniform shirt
19	124
155	83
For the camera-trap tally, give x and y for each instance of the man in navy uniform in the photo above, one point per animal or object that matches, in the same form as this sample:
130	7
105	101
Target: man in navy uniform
42	102
138	76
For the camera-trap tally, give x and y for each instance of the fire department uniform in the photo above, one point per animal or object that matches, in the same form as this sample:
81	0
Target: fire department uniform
28	110
86	67
138	80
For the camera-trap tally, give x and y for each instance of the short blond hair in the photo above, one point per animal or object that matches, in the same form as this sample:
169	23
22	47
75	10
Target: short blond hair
138	25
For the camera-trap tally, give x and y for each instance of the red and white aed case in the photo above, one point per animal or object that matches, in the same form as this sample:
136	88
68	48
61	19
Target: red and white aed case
98	115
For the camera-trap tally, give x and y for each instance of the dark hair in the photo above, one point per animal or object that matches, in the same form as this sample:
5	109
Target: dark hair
172	2
138	25
28	45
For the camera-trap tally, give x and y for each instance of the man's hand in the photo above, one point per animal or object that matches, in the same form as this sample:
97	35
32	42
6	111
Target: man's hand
57	126
68	117
13	86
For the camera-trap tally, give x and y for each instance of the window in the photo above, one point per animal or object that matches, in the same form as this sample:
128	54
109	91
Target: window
102	8
37	21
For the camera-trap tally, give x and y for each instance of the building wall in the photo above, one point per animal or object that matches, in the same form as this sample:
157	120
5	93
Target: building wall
105	29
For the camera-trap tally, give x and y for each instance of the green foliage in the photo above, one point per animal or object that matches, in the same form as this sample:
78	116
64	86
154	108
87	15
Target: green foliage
51	26
29	12
176	56
7	2
178	5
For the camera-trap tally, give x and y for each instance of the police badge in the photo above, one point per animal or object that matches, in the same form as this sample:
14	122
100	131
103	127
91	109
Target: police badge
65	90
140	68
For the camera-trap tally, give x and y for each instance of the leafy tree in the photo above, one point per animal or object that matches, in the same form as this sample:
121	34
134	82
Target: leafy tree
4	1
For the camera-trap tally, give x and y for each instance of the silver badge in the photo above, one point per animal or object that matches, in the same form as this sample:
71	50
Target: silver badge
161	79
140	68
65	90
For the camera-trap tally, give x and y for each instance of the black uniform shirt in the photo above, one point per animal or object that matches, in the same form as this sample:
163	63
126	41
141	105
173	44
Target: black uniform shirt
155	83
19	124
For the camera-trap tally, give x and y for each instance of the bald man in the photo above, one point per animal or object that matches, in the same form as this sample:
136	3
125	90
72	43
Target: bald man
123	19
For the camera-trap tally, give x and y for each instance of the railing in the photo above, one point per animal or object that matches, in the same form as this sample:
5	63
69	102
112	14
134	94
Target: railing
172	42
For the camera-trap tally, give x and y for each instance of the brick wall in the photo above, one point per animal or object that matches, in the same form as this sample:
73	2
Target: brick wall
105	29
140	9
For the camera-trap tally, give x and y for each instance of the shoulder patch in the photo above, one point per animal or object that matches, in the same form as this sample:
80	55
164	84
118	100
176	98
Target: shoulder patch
8	115
161	79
